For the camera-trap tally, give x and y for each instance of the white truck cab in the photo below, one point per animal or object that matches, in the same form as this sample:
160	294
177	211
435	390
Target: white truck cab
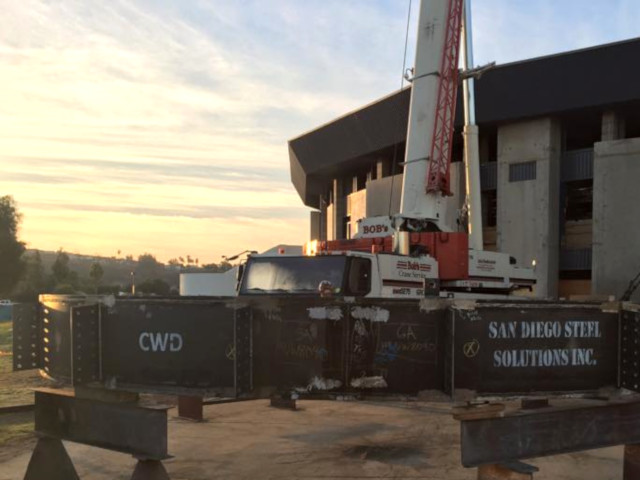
355	274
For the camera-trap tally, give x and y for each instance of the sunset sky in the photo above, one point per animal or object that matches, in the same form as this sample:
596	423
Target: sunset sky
161	126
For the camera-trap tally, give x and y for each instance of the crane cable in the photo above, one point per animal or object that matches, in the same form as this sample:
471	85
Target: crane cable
633	286
402	78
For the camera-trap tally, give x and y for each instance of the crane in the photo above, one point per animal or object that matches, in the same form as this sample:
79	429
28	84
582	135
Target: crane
420	251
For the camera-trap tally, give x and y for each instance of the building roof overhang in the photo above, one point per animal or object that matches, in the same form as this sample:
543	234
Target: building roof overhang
596	77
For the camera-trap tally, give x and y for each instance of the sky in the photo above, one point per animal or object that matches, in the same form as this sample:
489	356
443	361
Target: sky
161	126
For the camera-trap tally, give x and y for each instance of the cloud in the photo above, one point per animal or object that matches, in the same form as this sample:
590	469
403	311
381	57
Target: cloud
209	212
173	116
511	30
176	112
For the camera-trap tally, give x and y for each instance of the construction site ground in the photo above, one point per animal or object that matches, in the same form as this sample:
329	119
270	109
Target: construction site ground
323	439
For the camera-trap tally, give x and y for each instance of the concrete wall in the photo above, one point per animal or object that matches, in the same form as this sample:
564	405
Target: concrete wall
330	234
378	196
315	225
356	209
339	208
616	225
528	211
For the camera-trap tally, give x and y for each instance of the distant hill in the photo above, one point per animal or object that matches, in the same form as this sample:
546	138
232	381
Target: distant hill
117	271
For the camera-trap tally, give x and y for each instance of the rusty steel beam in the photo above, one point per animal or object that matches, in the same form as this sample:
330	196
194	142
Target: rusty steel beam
126	428
507	471
190	407
285	402
550	431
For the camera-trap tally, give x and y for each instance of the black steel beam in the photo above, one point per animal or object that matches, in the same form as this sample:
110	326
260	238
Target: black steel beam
85	344
27	337
629	348
120	427
552	431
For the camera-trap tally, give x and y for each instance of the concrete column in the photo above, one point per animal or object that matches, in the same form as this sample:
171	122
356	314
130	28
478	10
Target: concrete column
339	208
383	168
528	210
322	227
314	225
613	126
616	230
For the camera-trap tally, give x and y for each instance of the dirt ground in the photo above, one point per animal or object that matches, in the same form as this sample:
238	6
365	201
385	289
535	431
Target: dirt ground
16	388
323	439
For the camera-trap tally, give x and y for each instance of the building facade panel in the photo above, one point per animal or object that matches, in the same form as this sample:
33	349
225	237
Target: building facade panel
527	224
616	211
559	171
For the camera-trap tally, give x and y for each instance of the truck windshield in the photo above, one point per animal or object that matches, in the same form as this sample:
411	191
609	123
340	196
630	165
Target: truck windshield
292	274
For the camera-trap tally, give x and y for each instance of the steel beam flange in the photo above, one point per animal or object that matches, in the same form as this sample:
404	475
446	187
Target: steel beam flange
550	431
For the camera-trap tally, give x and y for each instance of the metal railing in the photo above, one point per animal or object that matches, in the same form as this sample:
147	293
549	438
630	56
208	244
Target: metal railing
488	176
575	259
577	165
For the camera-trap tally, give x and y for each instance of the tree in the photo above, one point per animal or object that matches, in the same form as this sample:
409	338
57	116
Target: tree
64	289
35	272
95	274
174	262
60	269
217	267
148	268
61	273
34	280
155	286
11	249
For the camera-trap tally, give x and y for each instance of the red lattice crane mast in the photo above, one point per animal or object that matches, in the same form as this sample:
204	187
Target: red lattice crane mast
440	156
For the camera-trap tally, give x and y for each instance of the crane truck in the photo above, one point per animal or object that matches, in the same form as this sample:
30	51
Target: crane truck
418	252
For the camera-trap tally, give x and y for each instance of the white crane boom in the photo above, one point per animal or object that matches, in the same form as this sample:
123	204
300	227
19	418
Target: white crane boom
473	199
431	113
